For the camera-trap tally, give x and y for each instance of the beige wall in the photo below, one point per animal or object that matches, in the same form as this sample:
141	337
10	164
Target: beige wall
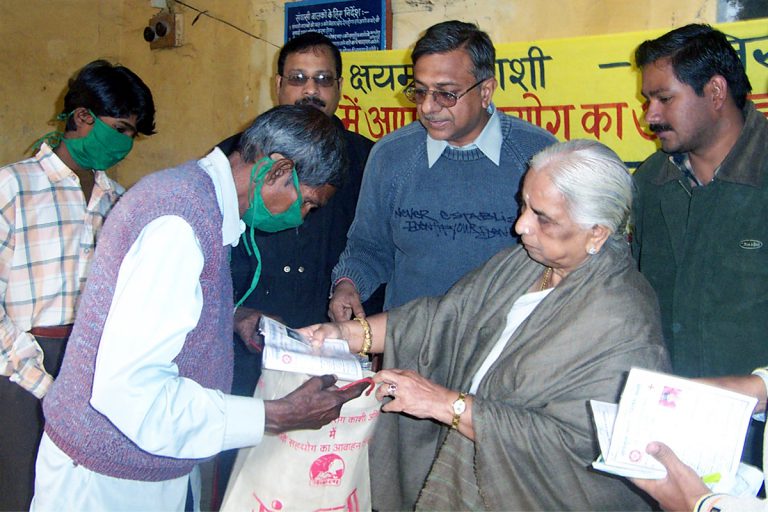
221	78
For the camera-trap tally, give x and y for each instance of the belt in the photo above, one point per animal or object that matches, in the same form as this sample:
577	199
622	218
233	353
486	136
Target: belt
53	331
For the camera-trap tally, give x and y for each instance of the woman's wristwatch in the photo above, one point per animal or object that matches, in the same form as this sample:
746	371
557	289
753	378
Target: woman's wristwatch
459	406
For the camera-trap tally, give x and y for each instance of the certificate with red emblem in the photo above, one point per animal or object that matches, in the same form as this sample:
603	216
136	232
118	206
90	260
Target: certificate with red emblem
703	424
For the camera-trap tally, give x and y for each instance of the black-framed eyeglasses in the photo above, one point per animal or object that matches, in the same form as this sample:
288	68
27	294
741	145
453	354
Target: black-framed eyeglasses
300	79
443	98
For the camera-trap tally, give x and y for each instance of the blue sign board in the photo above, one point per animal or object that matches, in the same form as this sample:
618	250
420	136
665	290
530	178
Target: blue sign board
350	24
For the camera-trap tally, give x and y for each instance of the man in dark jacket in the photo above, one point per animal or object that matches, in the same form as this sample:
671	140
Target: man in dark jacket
700	235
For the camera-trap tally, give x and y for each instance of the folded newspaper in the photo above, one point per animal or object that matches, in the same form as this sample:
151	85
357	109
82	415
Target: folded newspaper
288	350
704	425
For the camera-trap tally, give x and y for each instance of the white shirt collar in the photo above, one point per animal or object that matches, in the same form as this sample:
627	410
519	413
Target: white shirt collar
489	141
216	165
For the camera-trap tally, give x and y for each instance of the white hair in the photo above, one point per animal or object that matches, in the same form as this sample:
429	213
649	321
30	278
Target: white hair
594	181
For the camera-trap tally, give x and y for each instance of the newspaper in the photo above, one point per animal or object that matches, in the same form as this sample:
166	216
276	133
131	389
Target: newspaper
288	350
704	425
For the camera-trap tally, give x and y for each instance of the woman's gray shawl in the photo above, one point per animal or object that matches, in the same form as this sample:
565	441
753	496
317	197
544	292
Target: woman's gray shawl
534	439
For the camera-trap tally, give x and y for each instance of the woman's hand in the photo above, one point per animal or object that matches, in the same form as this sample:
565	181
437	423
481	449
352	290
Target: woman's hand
414	395
318	333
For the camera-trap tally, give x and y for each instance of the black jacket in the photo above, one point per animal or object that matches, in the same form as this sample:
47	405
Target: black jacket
297	263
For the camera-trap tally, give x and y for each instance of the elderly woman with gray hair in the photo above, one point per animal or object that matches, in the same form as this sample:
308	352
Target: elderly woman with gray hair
492	380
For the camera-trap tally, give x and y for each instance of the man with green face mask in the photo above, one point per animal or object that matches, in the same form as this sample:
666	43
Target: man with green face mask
53	206
143	392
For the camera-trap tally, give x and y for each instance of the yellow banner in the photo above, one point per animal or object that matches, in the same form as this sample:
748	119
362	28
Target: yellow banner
583	87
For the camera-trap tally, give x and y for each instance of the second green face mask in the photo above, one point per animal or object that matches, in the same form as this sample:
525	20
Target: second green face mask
101	149
258	215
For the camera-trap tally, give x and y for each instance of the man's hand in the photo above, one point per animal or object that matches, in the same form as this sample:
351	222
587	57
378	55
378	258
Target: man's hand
315	403
246	325
751	385
345	302
680	489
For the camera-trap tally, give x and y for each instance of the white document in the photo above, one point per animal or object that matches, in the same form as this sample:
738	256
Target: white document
704	425
604	416
287	350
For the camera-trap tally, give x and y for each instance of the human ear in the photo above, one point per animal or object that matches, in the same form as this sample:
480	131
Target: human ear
486	91
596	238
282	167
718	88
82	116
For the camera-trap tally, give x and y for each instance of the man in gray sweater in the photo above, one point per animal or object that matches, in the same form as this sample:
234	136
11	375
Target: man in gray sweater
438	196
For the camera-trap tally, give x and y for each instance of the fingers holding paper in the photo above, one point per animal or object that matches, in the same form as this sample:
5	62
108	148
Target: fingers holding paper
680	489
246	325
318	333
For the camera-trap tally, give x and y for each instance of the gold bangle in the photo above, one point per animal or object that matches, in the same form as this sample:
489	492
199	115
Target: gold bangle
367	338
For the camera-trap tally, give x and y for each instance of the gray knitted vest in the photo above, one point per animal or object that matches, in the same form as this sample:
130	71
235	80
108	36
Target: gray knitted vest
84	434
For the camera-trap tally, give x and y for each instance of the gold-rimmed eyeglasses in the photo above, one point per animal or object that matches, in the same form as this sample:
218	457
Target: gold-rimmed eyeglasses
443	98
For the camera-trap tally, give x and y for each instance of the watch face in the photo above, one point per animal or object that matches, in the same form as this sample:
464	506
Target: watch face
459	406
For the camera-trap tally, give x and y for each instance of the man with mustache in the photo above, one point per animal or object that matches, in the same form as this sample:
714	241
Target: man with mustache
296	264
701	236
439	194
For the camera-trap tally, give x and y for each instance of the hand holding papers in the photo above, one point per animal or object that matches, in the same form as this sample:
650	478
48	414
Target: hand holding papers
704	425
288	350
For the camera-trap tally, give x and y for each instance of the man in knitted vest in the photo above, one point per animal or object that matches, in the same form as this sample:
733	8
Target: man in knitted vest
142	396
438	197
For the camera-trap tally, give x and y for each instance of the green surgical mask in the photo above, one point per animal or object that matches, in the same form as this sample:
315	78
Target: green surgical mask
258	216
101	149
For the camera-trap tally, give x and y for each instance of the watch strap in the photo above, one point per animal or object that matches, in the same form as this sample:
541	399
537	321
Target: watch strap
457	417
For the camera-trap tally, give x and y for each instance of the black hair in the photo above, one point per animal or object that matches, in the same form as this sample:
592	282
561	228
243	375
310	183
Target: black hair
453	35
304	42
698	52
113	91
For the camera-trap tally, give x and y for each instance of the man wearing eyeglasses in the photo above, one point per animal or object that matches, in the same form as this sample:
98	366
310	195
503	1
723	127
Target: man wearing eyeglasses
296	264
439	194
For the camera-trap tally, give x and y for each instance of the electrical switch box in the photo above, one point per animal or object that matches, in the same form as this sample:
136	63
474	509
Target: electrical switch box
165	30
